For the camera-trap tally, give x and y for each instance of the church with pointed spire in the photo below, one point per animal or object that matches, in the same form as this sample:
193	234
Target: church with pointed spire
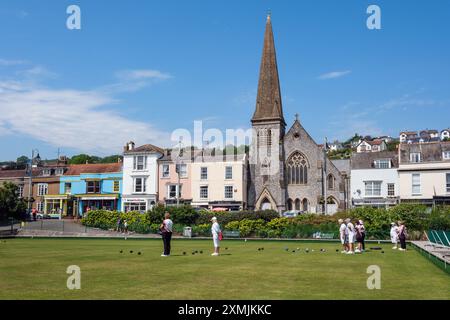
287	170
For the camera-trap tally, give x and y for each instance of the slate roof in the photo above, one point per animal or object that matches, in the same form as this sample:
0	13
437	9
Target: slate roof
146	148
430	152
366	160
13	173
343	165
77	169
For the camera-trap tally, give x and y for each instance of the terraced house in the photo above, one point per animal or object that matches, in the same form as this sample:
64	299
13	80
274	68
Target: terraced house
140	177
86	187
424	172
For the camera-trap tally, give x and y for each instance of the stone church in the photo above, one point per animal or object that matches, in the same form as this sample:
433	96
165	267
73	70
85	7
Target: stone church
287	170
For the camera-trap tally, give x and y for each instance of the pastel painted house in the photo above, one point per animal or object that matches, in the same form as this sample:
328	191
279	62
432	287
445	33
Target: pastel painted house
90	187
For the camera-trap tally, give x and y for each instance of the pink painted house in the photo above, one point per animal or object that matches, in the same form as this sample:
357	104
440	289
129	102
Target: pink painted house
171	183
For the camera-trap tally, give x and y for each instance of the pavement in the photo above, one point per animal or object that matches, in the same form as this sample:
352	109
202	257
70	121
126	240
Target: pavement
441	252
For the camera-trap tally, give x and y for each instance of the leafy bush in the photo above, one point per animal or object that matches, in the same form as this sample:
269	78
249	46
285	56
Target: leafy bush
227	216
440	219
184	214
203	230
416	217
277	225
268	223
246	227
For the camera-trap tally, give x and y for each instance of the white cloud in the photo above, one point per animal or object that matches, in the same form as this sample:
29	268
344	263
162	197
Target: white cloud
353	119
407	101
334	75
8	63
37	72
76	119
142	74
134	80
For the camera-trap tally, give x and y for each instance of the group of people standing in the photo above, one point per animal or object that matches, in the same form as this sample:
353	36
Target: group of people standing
398	234
350	234
122	225
166	229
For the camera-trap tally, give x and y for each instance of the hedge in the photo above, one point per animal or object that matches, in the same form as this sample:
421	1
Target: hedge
417	218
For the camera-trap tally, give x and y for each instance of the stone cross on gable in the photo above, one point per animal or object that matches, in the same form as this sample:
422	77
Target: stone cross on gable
296	117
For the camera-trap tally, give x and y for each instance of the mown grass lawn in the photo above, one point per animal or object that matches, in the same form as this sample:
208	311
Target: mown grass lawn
36	269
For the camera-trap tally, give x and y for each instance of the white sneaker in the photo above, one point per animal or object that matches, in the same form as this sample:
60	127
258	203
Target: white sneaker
350	252
343	251
400	249
357	251
164	255
394	248
214	254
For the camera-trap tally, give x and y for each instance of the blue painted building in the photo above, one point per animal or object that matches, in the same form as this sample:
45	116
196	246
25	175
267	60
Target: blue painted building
91	187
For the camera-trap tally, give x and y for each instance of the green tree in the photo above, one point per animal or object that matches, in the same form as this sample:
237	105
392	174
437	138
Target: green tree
111	159
22	162
80	159
10	204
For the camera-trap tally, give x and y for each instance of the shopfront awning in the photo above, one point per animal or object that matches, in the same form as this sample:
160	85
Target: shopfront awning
97	196
56	196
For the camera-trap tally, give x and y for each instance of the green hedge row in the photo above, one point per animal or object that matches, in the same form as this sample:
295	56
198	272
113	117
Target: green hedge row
268	224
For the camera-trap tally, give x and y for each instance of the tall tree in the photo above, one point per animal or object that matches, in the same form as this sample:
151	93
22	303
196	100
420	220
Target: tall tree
10	203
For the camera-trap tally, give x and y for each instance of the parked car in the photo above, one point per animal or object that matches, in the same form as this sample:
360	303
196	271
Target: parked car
291	214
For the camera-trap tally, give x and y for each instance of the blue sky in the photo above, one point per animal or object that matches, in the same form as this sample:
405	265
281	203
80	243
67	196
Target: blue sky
137	70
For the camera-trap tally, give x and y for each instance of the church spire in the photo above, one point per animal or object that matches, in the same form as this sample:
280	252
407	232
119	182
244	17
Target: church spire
268	101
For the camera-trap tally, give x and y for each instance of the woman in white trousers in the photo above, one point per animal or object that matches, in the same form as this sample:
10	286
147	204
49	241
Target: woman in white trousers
215	230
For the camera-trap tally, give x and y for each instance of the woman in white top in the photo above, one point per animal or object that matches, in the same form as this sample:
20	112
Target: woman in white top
343	235
394	235
351	236
215	230
166	233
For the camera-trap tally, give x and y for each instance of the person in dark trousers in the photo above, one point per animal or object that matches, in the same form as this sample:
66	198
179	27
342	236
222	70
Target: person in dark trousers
166	232
119	225
363	234
402	235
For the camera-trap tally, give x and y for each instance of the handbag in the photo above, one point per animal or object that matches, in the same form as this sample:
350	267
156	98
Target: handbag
220	235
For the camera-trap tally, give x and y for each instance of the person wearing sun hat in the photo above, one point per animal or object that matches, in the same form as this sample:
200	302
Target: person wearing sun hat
216	233
394	235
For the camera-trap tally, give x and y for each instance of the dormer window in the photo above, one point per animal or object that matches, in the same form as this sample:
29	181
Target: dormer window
415	157
59	171
382	164
47	172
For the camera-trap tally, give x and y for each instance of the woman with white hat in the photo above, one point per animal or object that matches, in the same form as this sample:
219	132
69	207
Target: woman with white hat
394	235
217	236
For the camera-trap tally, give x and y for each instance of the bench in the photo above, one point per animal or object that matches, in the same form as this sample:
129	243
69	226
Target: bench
231	234
321	235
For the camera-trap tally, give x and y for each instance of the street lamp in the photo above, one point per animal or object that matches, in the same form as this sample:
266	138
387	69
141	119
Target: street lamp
30	172
178	164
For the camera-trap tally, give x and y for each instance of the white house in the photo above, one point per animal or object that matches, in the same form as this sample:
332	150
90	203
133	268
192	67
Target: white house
408	135
445	134
376	145
140	177
424	173
374	179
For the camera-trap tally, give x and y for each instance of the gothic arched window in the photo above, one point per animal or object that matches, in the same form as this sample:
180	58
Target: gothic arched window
330	182
290	205
297	169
